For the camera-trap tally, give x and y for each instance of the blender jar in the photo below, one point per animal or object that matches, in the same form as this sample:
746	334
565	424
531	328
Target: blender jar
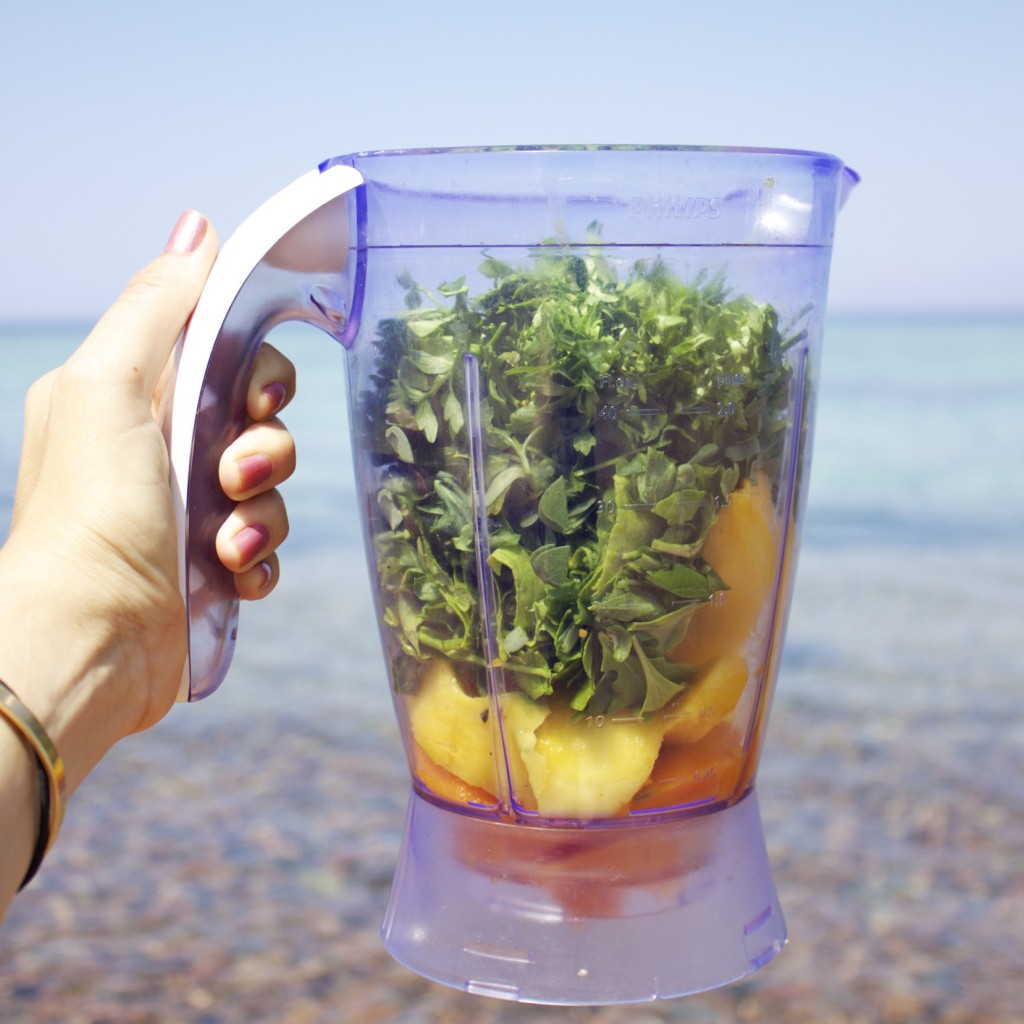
581	386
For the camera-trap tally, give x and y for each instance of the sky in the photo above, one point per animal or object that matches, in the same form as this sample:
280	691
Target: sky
116	116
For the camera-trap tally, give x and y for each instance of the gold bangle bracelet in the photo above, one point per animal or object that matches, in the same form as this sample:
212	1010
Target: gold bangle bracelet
29	727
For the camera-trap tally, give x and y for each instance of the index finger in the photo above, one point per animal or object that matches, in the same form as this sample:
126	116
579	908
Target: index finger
134	338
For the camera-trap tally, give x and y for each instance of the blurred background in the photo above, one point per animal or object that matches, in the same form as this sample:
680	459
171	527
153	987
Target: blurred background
233	864
118	115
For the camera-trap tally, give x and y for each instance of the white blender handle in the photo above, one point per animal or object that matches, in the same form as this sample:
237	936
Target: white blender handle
283	263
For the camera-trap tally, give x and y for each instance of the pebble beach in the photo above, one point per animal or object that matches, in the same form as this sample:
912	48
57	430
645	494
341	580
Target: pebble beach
233	865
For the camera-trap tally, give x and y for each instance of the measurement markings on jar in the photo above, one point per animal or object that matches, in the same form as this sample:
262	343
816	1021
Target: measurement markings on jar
716	600
611	411
632	411
716	409
600	721
704	713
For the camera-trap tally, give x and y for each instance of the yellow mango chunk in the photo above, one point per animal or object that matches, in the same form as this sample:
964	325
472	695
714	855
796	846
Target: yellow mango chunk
454	739
452	728
521	718
742	547
590	767
707	701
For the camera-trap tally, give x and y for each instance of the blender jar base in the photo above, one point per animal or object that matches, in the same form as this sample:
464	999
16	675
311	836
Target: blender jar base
584	916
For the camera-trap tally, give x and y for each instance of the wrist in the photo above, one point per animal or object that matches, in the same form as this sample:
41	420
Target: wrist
19	811
61	663
49	774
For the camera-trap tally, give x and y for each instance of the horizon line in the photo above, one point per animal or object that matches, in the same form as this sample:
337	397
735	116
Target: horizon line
79	321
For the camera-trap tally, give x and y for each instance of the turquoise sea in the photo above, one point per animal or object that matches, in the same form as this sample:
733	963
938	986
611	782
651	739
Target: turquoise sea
914	537
234	863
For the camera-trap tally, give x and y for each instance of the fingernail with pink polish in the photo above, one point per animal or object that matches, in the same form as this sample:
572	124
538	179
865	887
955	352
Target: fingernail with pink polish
266	575
188	232
250	541
253	470
275	395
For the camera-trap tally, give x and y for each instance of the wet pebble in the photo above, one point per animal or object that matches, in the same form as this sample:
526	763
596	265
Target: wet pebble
235	870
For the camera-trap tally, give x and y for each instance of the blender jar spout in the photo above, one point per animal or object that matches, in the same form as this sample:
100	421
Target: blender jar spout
848	181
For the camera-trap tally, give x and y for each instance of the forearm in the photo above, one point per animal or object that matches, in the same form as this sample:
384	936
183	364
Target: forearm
58	662
72	659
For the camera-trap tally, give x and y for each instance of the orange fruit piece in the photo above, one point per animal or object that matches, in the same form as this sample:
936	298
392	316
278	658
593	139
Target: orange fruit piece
707	701
742	546
443	784
700	772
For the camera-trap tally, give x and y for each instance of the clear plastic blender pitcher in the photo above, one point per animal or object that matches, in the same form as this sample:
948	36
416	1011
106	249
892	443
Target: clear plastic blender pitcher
582	385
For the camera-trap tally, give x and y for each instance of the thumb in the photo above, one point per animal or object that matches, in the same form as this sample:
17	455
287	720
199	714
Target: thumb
134	338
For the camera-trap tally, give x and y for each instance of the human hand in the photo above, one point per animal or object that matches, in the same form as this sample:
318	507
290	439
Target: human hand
92	625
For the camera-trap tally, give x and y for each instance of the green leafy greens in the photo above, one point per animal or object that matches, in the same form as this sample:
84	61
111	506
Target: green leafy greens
618	415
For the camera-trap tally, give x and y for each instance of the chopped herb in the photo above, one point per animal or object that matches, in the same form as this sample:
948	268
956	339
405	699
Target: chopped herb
618	415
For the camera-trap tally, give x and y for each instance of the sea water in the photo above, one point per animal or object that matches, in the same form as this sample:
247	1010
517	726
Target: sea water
911	573
910	585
